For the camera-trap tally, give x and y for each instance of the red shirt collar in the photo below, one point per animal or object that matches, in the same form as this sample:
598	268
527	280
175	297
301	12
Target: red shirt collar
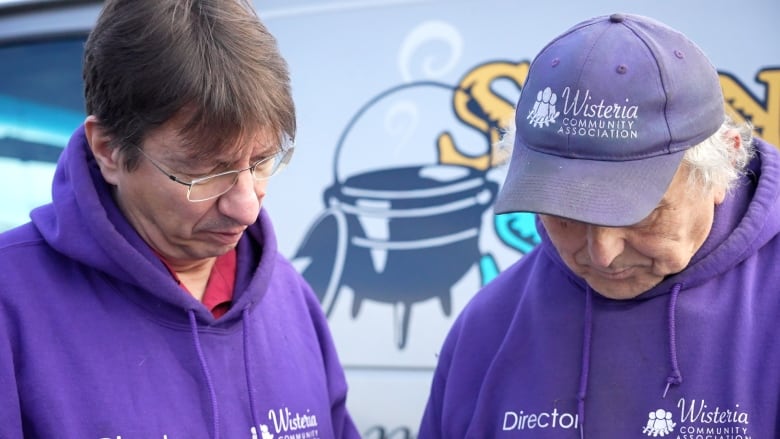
219	290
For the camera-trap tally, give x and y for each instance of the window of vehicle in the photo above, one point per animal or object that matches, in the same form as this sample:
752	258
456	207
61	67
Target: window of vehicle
41	102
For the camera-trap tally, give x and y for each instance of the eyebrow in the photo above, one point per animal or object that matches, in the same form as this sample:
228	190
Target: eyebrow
184	165
663	204
264	155
232	165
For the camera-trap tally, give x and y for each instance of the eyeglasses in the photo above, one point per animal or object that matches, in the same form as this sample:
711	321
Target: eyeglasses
212	186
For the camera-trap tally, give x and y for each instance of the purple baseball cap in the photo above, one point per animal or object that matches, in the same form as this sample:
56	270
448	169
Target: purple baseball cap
604	118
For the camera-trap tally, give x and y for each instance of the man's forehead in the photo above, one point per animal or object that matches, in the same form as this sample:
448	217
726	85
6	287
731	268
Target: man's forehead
178	139
190	131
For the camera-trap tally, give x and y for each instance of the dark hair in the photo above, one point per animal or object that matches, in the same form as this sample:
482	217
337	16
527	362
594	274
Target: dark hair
147	60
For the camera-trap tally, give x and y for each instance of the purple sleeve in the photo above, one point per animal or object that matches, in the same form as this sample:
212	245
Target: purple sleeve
10	408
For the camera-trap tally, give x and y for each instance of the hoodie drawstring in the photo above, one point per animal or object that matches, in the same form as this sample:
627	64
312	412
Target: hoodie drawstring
206	374
247	371
675	377
585	363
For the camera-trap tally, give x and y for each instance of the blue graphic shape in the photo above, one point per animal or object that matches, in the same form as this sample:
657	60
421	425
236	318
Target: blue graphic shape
517	230
323	251
488	268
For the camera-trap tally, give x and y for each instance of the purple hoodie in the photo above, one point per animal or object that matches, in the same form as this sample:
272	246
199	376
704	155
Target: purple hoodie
98	341
537	354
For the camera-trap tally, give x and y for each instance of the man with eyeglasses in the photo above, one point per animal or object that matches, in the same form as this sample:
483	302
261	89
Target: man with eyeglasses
149	300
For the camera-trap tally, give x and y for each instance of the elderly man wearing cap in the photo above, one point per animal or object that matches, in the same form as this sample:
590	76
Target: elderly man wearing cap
650	307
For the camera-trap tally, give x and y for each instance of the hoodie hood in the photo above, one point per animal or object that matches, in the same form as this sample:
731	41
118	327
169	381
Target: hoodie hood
83	206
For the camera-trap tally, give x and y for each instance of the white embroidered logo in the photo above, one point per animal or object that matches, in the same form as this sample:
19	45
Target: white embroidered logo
544	112
659	423
265	434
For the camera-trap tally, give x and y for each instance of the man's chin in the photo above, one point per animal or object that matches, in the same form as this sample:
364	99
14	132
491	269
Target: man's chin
618	290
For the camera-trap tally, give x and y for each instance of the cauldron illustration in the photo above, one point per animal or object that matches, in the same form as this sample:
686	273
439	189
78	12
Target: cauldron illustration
396	234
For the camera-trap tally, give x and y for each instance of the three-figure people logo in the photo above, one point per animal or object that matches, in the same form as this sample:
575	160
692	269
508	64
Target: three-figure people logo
264	433
659	423
544	111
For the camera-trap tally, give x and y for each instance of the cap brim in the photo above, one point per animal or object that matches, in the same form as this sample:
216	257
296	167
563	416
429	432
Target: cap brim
607	193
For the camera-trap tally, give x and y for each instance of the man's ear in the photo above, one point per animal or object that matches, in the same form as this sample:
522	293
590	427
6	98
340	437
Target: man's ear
108	157
734	140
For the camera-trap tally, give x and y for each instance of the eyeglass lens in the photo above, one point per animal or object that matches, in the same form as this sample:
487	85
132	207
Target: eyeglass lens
216	185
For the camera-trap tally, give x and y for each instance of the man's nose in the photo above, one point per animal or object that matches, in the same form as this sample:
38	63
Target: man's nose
604	244
242	201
